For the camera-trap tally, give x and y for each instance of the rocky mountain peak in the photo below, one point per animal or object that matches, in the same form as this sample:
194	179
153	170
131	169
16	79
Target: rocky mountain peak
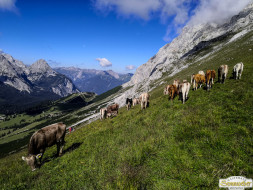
171	57
41	66
112	73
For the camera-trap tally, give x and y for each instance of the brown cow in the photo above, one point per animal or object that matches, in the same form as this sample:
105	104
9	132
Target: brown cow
112	110
222	73
43	138
144	100
172	91
198	79
210	75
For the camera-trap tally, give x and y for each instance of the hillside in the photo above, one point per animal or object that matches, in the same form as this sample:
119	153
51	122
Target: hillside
167	146
16	129
174	57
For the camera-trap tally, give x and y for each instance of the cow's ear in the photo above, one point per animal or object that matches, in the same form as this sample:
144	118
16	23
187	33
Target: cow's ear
23	158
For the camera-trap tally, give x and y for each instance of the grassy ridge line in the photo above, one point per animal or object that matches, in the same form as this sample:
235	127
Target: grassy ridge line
167	146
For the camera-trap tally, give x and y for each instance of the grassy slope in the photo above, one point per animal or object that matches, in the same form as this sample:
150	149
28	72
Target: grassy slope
167	146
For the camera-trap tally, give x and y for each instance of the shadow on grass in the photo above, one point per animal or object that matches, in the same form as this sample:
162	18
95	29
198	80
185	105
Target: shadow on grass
69	149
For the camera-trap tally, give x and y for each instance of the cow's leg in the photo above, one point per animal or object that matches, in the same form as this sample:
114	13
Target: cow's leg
183	96
146	102
240	74
61	148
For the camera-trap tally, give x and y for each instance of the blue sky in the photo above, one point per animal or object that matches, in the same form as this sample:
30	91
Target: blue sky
99	34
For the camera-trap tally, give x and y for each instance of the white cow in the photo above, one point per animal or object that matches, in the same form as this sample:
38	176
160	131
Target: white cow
202	73
103	113
176	83
144	100
238	68
222	73
184	89
135	101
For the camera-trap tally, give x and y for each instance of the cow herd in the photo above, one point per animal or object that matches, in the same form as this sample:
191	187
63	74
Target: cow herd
197	80
55	133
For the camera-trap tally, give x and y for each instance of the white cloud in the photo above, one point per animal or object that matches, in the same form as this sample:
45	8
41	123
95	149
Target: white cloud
217	11
146	9
179	10
8	5
130	67
104	62
136	8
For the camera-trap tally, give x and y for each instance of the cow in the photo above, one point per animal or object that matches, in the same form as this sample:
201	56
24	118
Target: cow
129	103
213	74
144	100
188	89
198	79
176	83
103	113
210	75
192	78
135	101
172	91
184	89
201	72
112	110
237	71
43	138
222	73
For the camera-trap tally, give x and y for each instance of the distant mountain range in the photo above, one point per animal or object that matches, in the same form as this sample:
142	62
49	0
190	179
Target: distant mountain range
23	86
91	80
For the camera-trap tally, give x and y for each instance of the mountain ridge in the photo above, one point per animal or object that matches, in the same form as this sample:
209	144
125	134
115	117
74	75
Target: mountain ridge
35	83
92	80
171	58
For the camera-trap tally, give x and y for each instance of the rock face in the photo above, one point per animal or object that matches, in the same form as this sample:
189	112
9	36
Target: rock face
91	80
170	58
38	82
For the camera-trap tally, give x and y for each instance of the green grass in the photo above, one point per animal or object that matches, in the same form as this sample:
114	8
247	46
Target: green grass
166	146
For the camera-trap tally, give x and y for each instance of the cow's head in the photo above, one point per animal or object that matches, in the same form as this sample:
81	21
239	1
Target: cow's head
31	161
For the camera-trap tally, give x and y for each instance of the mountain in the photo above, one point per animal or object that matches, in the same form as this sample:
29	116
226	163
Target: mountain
175	56
23	85
91	80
